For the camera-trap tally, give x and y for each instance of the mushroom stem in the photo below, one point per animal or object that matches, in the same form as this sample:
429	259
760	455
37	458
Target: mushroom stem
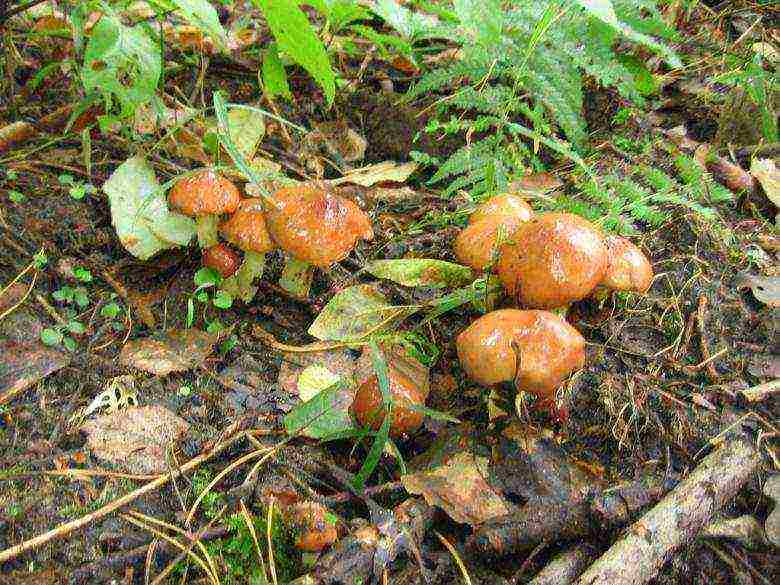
207	227
296	277
240	284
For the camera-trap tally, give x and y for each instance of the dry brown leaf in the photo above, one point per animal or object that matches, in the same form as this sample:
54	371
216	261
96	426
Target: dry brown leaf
14	134
175	351
459	488
387	171
767	173
772	524
135	439
338	140
25	364
535	185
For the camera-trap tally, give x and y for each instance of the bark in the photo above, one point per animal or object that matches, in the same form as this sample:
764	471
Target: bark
565	567
638	556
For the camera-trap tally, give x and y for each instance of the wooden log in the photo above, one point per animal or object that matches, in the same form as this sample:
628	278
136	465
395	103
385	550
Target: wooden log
648	544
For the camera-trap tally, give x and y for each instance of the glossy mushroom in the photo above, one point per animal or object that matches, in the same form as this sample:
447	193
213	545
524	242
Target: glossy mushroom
369	409
222	259
205	195
628	268
493	222
314	527
536	350
316	228
246	229
553	260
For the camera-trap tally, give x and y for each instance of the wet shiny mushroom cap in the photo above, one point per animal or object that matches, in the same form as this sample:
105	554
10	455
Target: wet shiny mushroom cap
503	204
535	349
627	266
204	193
246	228
315	226
368	406
222	259
554	259
474	245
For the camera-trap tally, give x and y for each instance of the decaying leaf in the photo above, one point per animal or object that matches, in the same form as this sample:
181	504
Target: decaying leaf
120	393
140	213
14	134
356	312
339	140
535	185
767	173
378	173
23	365
174	351
339	362
247	128
765	288
136	439
421	272
459	488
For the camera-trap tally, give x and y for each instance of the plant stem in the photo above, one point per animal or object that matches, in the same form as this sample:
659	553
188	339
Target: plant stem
240	284
207	226
296	277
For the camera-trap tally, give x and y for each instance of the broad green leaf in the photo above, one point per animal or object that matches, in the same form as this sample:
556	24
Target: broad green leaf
412	25
274	77
421	272
325	414
601	9
355	313
247	128
121	61
202	15
297	39
139	212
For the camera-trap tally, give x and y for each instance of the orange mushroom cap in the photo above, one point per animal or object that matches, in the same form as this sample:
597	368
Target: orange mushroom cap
475	244
314	526
535	349
246	228
315	226
503	204
368	406
555	259
222	259
627	267
204	193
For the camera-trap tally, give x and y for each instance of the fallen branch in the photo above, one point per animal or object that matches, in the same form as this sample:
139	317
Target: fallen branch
565	567
638	556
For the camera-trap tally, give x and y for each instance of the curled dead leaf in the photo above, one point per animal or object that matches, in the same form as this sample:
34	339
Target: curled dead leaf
174	351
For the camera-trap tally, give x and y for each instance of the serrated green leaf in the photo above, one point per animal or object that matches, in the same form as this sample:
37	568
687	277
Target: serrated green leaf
421	272
121	61
202	15
297	39
355	313
139	212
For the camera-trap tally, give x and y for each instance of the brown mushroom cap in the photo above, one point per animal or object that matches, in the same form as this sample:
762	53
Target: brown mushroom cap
204	193
627	267
222	259
368	407
535	349
316	226
474	245
246	228
313	525
555	259
504	204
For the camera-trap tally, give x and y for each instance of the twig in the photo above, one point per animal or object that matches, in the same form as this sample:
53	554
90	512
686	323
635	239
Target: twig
19	9
638	556
565	567
65	529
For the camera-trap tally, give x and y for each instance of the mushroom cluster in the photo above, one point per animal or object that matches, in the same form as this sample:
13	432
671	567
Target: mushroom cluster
314	227
545	262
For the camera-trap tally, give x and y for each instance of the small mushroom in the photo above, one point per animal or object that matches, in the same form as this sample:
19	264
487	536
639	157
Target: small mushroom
503	204
553	260
369	409
205	195
222	259
627	266
246	230
494	221
314	526
536	350
316	228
